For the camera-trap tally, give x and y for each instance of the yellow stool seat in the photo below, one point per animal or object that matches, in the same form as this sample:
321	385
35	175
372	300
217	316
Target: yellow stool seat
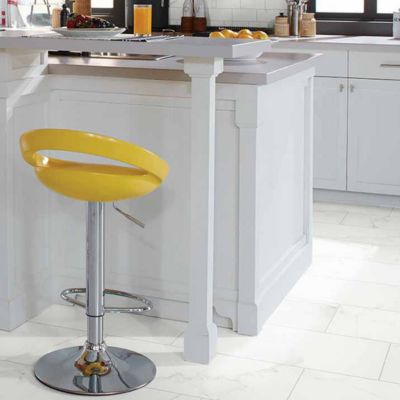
88	181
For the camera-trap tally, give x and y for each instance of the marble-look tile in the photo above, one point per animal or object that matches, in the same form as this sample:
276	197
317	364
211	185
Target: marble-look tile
306	349
371	221
352	293
303	315
391	370
325	247
367	323
225	378
30	341
356	270
355	234
329	217
131	326
368	210
17	382
183	397
314	385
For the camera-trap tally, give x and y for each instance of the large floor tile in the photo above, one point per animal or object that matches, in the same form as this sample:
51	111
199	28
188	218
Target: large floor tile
371	221
355	234
367	323
325	247
352	293
329	217
391	371
307	349
355	269
303	314
30	341
315	385
17	382
126	325
183	397
367	210
226	378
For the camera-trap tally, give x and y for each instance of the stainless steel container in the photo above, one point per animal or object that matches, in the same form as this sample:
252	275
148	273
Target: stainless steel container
295	20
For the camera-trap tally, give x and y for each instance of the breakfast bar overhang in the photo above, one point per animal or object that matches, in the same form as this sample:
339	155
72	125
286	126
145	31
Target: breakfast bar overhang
254	173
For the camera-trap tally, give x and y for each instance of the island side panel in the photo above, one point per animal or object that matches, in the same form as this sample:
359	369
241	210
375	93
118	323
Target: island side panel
275	206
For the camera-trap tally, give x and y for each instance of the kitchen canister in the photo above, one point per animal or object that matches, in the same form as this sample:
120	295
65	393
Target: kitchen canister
396	24
308	26
282	27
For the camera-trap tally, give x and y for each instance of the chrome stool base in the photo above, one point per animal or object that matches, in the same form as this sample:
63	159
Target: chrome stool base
95	371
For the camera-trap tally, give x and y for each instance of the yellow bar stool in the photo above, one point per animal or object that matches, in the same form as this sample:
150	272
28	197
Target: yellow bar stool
94	368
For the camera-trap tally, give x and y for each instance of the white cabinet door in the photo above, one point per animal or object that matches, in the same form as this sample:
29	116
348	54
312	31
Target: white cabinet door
374	136
330	133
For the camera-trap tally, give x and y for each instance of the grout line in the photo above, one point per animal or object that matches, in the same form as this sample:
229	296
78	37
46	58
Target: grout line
323	302
295	384
305	368
384	361
333	334
332	319
345	216
316	275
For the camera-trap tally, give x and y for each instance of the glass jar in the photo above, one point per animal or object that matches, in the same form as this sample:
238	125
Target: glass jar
282	27
308	25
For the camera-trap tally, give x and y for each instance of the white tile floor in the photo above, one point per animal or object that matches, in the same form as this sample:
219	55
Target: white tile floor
335	337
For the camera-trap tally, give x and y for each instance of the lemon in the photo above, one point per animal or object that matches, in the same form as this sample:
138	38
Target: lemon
229	34
245	36
260	35
245	32
217	35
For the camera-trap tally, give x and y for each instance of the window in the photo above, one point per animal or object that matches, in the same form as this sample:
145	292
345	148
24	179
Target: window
102	3
340	6
388	6
367	10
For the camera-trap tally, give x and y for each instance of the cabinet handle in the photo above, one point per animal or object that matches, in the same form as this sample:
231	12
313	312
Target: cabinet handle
390	65
352	88
341	88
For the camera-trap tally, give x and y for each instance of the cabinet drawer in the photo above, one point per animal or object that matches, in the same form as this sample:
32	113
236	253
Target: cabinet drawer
332	64
374	65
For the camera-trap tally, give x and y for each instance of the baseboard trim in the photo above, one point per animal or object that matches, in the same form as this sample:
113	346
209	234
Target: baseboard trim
253	316
365	199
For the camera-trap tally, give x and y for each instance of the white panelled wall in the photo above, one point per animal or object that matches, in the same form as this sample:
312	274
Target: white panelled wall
257	13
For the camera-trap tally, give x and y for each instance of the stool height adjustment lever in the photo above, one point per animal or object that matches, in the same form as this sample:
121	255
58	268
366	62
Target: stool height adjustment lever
129	217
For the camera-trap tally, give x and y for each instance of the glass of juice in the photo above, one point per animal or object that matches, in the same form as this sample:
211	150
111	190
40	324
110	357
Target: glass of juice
142	16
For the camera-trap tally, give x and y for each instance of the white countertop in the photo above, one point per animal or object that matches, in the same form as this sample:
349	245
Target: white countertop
269	68
182	47
355	43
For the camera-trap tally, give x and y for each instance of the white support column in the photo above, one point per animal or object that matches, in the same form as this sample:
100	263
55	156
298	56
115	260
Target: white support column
201	333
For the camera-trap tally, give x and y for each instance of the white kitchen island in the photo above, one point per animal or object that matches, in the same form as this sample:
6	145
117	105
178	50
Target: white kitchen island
238	198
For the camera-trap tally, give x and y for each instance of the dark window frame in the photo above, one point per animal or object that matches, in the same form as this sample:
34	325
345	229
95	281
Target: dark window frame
370	13
115	14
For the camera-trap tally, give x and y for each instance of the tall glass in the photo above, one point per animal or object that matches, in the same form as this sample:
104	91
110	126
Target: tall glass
142	16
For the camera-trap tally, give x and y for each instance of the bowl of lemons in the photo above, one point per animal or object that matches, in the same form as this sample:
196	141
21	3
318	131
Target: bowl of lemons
242	34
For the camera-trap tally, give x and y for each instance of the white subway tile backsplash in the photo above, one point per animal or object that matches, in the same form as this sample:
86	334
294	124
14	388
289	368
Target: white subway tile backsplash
257	13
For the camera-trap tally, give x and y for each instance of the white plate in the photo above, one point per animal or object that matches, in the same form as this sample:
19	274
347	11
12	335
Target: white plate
89	32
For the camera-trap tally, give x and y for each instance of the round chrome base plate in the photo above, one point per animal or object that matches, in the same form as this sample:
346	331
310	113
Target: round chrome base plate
129	371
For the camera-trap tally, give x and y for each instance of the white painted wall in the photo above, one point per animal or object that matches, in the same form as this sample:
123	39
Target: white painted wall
235	12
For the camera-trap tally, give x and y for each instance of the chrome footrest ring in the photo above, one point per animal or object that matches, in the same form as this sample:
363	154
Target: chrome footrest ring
147	304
